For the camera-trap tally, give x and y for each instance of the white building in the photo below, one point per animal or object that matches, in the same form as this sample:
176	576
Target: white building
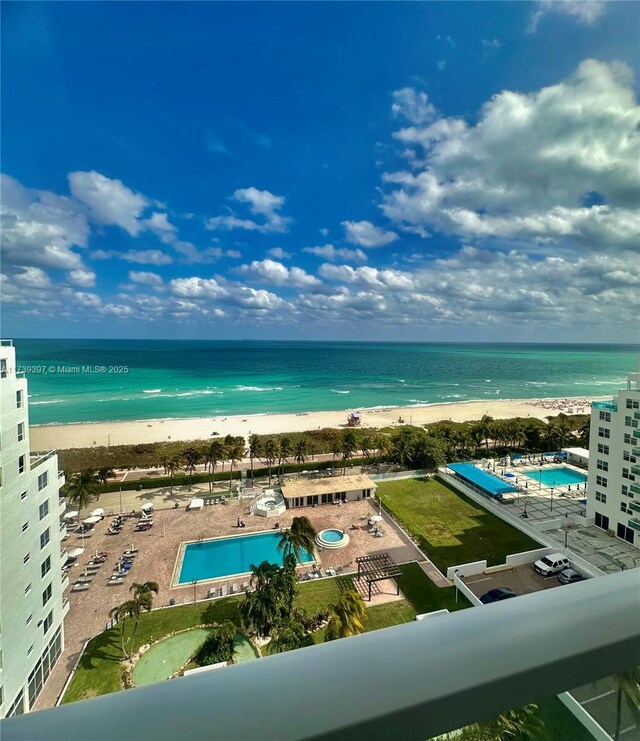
32	607
613	500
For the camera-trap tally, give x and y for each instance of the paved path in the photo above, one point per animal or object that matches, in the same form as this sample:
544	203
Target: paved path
434	574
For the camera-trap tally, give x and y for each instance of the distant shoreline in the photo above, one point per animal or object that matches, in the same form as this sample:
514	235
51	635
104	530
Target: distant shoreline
87	434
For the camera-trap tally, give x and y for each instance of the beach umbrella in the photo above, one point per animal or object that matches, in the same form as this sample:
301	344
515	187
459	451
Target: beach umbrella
375	518
71	515
93	520
75	552
97	512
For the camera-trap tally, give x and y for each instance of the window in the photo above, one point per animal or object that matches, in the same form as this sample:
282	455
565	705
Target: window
3	367
605	416
48	622
46	595
45	537
20	432
604	432
23	496
602	448
18	399
602	465
43	509
628	457
45	567
26	558
601	481
626	533
601	497
623	507
27	589
627	438
626	474
25	527
43	480
602	521
22	463
630	422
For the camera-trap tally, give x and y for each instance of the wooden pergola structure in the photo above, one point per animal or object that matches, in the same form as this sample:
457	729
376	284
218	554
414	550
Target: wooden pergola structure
378	568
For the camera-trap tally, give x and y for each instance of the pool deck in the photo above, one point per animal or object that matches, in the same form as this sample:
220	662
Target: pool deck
158	549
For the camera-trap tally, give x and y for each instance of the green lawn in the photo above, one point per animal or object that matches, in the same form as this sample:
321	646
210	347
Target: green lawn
99	671
450	528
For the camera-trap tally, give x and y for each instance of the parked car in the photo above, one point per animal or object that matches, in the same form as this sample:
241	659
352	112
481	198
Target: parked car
569	576
497	595
554	563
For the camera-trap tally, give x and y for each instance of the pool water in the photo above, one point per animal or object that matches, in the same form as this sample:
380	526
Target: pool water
332	536
164	659
561	476
212	559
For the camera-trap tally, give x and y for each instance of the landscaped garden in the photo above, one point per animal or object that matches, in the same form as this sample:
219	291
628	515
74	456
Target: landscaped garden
100	669
450	528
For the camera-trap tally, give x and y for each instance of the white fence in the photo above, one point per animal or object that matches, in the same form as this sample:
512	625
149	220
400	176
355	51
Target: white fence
397	475
594	728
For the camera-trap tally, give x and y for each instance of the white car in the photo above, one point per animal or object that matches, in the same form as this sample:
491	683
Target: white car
554	563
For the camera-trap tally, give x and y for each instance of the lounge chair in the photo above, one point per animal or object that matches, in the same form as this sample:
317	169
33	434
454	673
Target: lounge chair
225	590
234	589
78	587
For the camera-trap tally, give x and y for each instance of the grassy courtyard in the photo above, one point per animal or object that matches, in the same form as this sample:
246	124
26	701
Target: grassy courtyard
99	671
450	528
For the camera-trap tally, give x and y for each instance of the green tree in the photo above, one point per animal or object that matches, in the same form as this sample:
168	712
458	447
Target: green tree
105	473
301	450
81	488
255	451
271	452
219	645
261	608
191	458
348	448
346	616
523	723
284	453
217	453
173	464
336	449
142	601
289	632
121	613
235	453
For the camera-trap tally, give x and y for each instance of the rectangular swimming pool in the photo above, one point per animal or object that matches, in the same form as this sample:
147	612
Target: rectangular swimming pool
559	476
213	559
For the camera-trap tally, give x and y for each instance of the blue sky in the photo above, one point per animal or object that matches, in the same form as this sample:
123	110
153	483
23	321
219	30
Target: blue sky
433	171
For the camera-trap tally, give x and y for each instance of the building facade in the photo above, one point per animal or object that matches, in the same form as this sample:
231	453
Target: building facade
32	607
613	500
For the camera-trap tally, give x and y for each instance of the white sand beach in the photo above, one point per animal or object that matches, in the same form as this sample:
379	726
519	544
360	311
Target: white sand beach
49	437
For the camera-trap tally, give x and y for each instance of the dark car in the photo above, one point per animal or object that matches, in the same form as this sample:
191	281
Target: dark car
569	576
497	595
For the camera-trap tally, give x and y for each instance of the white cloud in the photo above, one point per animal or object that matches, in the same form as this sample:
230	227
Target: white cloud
261	203
478	180
324	231
197	287
491	43
82	278
441	65
586	12
329	252
279	253
40	228
413	105
277	274
109	201
148	279
143	257
365	234
159	224
447	40
192	255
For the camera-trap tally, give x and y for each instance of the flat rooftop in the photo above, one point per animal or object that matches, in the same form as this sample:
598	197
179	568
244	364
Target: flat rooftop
490	484
329	485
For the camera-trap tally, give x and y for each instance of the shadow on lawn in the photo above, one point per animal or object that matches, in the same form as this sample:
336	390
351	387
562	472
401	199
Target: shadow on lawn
105	647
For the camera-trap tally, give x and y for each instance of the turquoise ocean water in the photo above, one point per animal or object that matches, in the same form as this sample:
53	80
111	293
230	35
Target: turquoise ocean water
211	378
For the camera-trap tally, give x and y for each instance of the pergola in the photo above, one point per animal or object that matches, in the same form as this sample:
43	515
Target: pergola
378	568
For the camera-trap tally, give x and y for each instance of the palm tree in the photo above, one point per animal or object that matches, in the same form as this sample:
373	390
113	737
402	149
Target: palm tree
173	464
191	458
300	450
299	539
255	450
121	613
235	453
514	724
346	616
81	488
142	600
217	453
336	449
485	427
261	608
271	448
218	646
105	473
285	452
349	446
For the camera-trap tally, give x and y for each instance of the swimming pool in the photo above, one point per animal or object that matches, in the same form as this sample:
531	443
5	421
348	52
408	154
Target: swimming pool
332	538
561	476
212	559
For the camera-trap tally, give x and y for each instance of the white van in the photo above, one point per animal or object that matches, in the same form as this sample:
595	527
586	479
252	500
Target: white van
554	563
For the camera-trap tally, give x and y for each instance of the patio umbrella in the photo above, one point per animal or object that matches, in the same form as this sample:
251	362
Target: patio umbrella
147	506
75	552
93	520
71	515
97	512
375	518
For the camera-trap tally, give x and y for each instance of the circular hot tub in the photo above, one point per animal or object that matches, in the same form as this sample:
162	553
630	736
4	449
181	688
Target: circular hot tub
332	538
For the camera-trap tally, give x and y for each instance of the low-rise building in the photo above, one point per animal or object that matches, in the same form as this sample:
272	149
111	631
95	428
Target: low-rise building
310	492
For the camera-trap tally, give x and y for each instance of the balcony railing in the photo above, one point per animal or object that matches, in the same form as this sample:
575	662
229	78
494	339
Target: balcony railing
412	681
635	470
634	506
634	523
608	405
635	488
39	457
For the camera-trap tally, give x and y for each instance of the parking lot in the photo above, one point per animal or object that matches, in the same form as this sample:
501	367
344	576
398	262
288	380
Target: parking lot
522	580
